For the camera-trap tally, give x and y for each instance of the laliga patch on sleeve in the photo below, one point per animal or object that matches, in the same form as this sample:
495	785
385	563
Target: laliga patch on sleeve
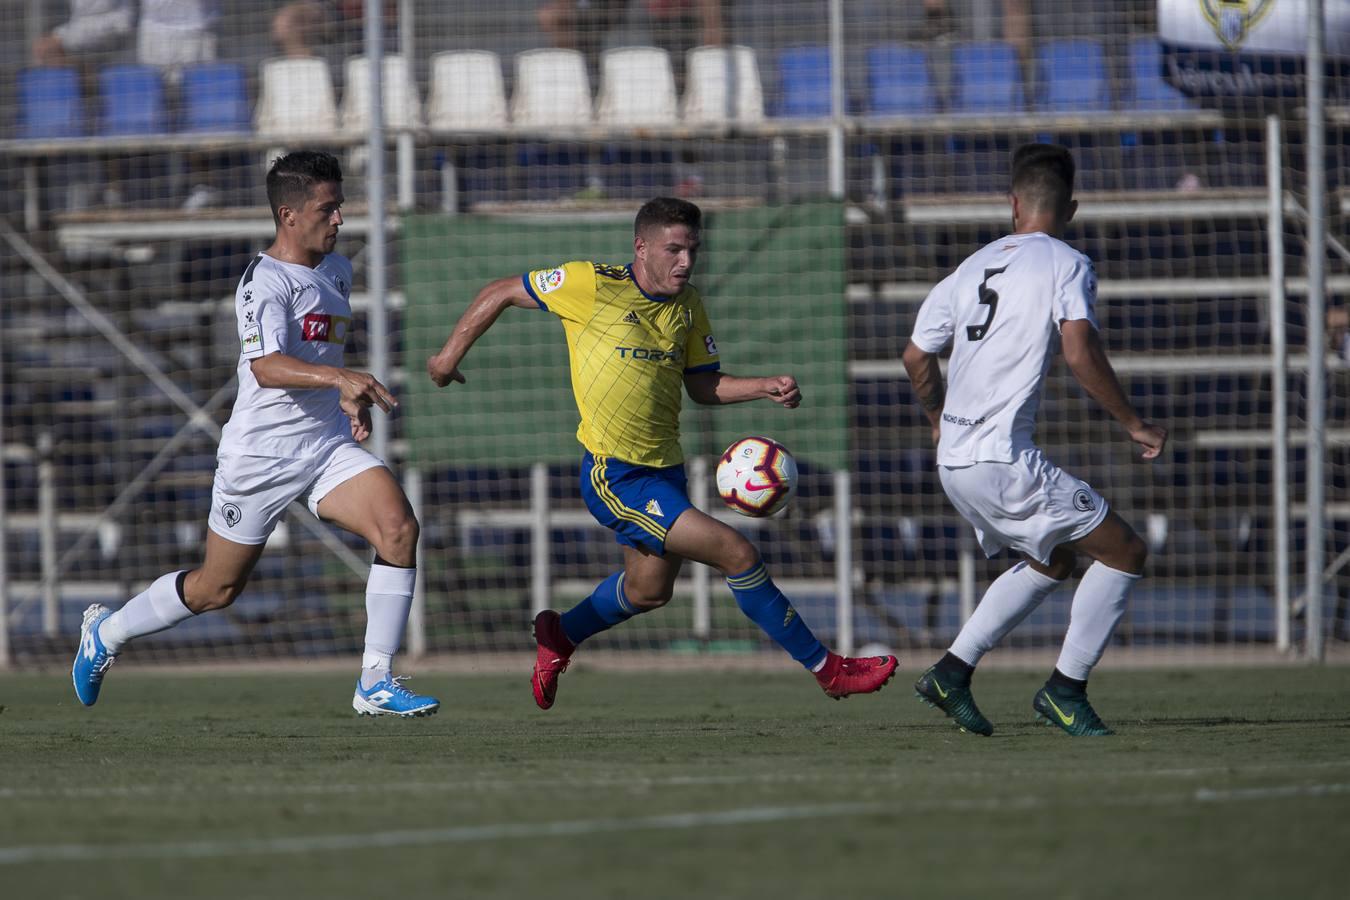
545	282
710	344
252	339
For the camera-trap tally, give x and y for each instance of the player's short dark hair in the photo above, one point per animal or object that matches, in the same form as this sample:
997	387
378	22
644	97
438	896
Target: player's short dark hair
294	176
663	211
1042	175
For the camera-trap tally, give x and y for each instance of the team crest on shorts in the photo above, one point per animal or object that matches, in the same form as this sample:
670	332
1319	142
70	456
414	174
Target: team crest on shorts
232	514
1082	501
654	508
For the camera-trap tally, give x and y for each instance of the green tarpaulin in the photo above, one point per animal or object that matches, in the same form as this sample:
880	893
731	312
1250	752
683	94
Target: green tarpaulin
772	280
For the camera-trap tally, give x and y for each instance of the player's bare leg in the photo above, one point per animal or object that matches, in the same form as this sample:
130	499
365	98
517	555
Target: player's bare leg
700	537
372	504
222	576
170	599
1113	543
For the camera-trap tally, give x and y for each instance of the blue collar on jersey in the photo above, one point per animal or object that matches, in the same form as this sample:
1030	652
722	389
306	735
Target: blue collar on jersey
652	297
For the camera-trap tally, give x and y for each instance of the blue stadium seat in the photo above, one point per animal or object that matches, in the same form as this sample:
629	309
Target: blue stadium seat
554	170
50	104
215	98
133	101
1148	91
898	81
1073	77
988	78
637	171
804	82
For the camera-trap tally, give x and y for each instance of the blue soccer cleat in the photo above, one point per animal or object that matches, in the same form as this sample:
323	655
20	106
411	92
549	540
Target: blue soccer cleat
92	659
390	698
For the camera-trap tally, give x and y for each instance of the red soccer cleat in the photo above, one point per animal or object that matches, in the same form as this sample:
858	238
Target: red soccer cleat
555	650
841	677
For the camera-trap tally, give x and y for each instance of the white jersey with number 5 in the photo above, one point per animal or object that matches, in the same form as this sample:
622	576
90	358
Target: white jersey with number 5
1002	308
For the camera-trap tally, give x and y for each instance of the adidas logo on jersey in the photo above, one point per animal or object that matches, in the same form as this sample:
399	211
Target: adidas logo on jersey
632	318
618	273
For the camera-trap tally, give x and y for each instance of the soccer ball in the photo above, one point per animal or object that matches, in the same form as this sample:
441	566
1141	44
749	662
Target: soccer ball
756	476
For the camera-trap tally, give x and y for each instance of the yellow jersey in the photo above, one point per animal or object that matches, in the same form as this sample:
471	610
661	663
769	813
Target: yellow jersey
629	354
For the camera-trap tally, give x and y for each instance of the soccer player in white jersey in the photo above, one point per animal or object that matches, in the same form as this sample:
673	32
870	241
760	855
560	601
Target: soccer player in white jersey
1004	310
293	435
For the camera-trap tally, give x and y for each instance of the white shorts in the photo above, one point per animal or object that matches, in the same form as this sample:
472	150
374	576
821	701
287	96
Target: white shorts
170	48
1029	504
251	492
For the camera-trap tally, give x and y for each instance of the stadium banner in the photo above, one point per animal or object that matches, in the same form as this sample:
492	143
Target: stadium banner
1247	48
772	280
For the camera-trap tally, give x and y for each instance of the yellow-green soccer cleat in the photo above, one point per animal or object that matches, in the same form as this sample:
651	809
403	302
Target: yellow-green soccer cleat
957	702
1073	714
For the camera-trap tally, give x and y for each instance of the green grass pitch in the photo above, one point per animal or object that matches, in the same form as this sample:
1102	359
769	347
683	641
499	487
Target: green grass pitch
1219	783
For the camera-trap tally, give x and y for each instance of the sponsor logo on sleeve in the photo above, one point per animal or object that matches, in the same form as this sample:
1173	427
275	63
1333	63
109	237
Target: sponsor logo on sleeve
248	297
545	282
710	344
251	339
1082	501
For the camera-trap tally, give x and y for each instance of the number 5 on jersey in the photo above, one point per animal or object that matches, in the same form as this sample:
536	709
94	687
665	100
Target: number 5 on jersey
988	297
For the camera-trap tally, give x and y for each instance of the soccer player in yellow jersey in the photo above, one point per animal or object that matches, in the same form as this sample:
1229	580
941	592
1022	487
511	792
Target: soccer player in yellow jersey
637	335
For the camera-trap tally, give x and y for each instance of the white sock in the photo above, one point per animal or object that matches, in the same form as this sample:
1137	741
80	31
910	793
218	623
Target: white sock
389	593
1009	600
156	608
1098	605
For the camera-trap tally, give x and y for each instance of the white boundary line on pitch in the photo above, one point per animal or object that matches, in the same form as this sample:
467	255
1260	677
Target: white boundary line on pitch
1205	795
314	843
482	785
426	836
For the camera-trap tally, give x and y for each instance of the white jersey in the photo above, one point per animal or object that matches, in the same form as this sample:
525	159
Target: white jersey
1003	306
302	312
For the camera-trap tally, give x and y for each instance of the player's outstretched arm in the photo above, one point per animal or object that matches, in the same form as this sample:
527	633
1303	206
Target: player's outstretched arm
718	389
477	319
925	377
357	391
1087	360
